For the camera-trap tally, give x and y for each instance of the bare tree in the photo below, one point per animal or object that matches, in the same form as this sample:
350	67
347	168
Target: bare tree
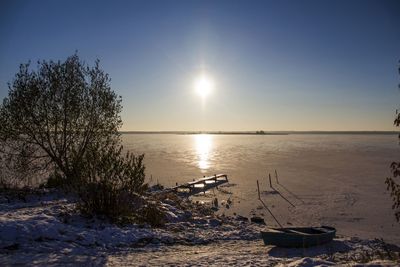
64	117
54	115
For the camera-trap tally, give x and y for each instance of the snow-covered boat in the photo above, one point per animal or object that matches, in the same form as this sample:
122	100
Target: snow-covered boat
298	236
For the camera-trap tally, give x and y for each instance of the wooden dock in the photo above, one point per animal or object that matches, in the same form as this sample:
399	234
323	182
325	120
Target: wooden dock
201	185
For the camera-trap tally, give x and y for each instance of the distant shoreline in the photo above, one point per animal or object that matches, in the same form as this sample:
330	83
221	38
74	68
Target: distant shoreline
265	132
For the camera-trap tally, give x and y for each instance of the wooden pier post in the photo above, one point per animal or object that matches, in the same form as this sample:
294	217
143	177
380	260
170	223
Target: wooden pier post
276	177
270	183
265	206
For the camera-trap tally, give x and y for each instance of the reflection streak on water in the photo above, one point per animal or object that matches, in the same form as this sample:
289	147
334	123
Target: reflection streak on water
204	146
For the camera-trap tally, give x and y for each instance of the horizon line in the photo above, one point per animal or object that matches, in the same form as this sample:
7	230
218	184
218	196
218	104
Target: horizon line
259	132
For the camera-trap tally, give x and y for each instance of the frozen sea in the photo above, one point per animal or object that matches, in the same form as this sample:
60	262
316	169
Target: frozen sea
333	179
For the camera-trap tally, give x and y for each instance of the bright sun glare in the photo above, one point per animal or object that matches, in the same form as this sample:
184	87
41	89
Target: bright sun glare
203	86
204	147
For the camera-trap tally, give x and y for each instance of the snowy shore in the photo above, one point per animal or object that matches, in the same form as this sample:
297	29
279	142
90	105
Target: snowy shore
44	229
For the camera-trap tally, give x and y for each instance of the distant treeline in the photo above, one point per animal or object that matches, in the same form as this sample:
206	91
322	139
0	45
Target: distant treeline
264	133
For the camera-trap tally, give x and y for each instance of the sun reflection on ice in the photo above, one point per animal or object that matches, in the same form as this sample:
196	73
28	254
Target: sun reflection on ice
204	144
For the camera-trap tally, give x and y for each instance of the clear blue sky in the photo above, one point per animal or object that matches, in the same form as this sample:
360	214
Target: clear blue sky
276	65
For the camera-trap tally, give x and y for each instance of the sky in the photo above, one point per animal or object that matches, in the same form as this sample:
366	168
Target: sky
274	65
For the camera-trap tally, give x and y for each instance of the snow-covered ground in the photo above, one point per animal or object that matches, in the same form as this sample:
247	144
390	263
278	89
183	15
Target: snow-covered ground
44	229
224	253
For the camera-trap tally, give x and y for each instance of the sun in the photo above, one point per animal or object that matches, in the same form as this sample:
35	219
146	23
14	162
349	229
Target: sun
203	85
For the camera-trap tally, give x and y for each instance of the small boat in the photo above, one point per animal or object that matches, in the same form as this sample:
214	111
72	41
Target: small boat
298	236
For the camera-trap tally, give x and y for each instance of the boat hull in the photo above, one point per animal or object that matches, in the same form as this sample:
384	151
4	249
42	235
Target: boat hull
298	236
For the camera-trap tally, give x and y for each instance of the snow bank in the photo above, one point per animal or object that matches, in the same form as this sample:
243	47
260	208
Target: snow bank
46	229
49	223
